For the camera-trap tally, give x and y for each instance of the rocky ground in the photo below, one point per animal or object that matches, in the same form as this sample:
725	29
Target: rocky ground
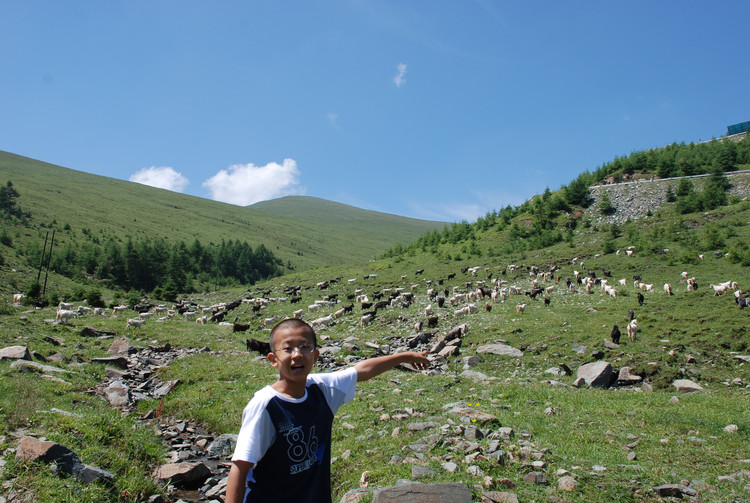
199	461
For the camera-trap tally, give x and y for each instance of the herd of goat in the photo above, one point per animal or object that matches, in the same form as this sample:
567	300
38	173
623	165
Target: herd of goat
487	285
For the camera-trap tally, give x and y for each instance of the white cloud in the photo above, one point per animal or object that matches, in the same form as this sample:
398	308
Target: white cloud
333	119
163	177
399	78
245	184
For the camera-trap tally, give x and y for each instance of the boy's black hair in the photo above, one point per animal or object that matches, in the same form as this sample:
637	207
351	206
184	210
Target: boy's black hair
292	323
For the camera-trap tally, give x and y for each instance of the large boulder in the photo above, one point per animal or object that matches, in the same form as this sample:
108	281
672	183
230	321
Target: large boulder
596	374
31	449
15	353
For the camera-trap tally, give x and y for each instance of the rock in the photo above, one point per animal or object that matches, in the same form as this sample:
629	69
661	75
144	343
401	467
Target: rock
535	478
597	374
450	466
499	497
121	346
732	428
686	386
95	332
626	377
183	475
449	351
472	374
421	471
117	361
555	371
15	353
499	349
673	490
422	426
471	361
66	461
29	366
415	492
117	394
165	388
567	483
223	446
355	495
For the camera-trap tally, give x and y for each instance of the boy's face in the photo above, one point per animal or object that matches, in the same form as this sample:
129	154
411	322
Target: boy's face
290	354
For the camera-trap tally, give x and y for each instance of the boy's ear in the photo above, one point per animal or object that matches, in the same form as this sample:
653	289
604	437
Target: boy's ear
271	357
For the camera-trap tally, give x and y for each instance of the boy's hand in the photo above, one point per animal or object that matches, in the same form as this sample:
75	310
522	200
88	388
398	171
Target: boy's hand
367	369
418	360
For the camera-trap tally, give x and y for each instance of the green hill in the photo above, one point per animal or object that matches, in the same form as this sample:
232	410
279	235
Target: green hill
305	232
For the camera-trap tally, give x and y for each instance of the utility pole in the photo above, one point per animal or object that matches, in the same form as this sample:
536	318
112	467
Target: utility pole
49	260
41	262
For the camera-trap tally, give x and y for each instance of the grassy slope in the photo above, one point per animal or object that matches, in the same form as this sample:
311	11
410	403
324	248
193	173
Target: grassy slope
693	335
111	207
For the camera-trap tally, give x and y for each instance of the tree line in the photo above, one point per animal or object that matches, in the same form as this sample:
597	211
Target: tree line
166	268
141	265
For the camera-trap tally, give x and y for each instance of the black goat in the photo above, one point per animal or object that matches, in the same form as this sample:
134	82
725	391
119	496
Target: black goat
615	334
261	347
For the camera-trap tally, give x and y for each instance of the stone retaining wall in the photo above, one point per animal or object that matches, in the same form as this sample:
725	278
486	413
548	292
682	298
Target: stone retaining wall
634	200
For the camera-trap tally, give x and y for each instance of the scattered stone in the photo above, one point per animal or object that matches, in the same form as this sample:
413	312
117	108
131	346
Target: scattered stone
538	478
117	394
121	346
567	483
499	497
472	374
183	475
415	492
499	349
356	495
625	377
686	386
96	332
223	446
118	361
674	491
29	366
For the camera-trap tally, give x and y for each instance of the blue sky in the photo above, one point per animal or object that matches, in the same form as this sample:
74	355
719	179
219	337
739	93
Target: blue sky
440	110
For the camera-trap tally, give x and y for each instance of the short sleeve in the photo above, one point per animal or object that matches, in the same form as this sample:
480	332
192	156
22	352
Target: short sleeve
257	432
338	387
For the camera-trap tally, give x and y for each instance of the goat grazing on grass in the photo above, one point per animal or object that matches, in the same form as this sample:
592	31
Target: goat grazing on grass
632	329
263	348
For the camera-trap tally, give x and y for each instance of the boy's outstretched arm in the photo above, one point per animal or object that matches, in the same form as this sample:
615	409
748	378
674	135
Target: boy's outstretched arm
367	369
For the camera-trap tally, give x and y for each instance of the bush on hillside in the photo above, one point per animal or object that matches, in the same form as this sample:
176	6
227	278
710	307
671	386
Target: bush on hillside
94	298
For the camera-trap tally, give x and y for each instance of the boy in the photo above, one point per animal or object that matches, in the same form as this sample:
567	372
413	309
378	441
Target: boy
283	451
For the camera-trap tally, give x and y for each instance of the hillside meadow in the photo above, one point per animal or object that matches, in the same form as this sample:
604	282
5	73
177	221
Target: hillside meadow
88	209
618	443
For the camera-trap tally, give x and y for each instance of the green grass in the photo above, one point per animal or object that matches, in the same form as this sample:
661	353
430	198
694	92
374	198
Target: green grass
692	335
